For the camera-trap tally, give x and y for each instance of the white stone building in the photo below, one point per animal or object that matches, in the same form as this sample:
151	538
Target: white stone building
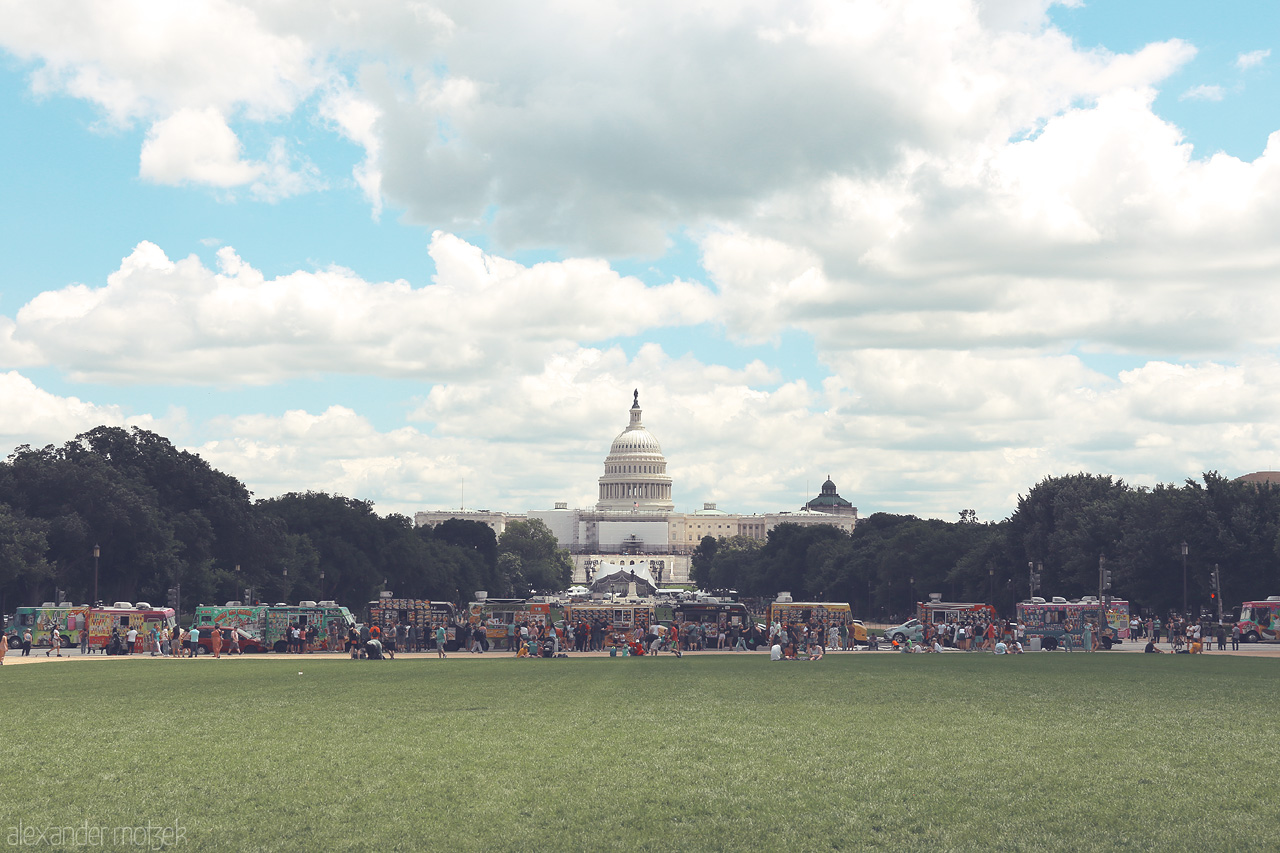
634	522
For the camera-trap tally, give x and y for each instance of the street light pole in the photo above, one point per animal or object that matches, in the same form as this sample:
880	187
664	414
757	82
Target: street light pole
96	552
1184	577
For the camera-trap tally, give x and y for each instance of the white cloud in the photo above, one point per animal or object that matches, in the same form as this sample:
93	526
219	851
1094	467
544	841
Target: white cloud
1252	59
1203	92
196	146
33	416
147	58
158	320
572	125
357	119
1101	229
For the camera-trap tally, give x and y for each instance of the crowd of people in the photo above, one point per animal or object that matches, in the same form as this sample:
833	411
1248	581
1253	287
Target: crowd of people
534	637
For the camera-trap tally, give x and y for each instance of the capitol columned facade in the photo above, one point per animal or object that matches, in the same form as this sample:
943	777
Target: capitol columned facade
634	521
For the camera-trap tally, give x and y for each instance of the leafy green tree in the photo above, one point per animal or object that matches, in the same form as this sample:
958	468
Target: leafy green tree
544	565
703	558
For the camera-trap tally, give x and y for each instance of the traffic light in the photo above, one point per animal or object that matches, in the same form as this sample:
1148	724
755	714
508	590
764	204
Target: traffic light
1215	584
173	597
1106	579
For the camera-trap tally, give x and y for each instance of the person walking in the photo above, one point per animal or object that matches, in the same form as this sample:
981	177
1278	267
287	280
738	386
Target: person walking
440	635
4	646
55	642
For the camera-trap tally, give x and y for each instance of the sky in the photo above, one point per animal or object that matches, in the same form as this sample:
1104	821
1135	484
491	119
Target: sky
422	253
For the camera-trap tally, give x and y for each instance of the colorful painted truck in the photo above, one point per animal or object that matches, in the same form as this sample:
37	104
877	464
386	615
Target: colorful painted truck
122	616
495	614
269	623
101	621
939	612
1260	620
826	613
628	621
1053	622
422	613
40	621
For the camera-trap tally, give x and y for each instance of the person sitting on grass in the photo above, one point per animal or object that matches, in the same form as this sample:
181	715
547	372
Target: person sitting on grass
1195	648
1001	648
1015	647
775	651
937	645
1151	648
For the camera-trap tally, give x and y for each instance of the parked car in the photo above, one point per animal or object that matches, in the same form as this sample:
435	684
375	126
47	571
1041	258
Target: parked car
911	630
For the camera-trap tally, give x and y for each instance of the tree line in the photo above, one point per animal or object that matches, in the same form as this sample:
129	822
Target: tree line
1063	525
161	518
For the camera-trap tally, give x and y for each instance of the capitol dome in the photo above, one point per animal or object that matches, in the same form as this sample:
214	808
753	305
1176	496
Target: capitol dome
635	471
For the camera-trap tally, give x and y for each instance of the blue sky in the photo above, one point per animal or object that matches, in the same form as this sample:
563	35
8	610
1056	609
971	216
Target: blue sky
937	251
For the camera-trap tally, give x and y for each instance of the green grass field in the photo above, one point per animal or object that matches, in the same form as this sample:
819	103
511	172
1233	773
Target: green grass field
894	752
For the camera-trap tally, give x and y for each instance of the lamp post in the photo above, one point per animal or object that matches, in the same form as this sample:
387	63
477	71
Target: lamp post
96	552
1184	577
991	581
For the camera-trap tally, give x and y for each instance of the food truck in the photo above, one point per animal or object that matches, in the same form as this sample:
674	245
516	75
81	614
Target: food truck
1055	621
1260	620
40	621
423	613
123	615
940	612
826	613
627	622
269	624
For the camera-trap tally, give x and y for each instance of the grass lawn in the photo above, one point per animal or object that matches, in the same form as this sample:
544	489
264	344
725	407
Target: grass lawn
859	751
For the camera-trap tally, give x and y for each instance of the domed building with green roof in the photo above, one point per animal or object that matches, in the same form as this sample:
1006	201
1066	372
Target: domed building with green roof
830	501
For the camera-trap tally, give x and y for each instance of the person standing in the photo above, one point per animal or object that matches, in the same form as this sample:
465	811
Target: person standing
4	646
1088	636
26	643
1235	637
215	642
132	637
84	640
193	642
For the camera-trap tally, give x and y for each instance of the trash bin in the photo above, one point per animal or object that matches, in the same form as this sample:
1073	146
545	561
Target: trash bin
1034	644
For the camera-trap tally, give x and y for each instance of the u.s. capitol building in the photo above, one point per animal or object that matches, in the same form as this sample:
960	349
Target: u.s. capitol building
634	521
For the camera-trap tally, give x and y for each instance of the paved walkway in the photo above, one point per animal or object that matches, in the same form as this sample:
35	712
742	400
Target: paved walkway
1264	650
